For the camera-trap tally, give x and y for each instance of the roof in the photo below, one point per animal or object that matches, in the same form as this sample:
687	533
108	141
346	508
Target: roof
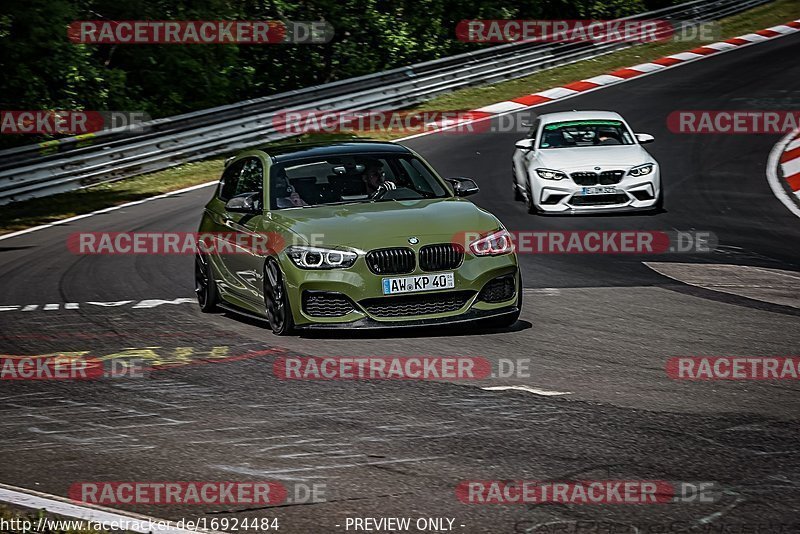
289	152
548	118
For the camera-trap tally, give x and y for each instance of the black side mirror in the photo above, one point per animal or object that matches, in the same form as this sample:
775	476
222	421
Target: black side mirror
244	203
464	187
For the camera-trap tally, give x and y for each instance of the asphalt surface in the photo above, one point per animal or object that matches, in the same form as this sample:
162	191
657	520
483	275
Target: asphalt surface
597	329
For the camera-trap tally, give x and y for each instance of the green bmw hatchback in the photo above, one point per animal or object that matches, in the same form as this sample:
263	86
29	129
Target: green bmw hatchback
359	235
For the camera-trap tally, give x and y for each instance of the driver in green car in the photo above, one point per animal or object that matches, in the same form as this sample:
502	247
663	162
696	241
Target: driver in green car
287	197
374	177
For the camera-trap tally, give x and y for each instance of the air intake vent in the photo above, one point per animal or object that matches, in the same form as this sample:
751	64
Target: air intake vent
408	306
326	304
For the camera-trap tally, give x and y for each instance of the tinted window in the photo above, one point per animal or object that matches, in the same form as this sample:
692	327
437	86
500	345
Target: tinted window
230	180
534	129
251	179
351	178
568	134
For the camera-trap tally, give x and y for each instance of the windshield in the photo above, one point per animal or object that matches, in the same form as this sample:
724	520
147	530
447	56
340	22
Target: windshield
351	178
570	134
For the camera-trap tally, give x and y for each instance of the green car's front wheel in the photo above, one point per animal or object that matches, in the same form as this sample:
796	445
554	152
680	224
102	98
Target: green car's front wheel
204	285
279	311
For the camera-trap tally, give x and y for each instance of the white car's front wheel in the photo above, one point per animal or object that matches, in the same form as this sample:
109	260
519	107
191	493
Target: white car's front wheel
533	209
518	196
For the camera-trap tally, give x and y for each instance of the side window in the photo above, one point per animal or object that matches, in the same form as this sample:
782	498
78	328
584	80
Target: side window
230	181
534	129
252	177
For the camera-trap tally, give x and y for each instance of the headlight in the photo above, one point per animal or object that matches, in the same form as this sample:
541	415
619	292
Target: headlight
494	244
321	258
642	170
548	174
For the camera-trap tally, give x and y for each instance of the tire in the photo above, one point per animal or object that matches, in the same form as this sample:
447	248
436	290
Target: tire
659	205
276	301
517	194
508	320
532	209
204	285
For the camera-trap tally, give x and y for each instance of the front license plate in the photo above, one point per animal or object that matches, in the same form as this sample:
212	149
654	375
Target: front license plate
423	282
586	191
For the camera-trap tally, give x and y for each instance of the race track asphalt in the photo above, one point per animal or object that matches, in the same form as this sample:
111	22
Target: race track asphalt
597	328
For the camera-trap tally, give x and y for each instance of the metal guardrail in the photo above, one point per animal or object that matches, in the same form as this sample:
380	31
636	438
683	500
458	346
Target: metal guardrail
72	163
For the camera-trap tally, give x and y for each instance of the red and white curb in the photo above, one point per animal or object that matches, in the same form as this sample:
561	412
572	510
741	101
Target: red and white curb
790	164
622	75
528	101
783	169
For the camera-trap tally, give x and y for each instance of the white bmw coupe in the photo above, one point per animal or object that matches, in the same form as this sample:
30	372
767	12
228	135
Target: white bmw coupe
585	162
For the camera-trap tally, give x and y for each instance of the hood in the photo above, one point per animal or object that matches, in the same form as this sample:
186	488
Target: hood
571	159
390	223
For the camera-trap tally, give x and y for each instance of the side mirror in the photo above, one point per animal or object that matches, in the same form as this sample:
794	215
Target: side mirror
244	203
525	144
644	138
464	187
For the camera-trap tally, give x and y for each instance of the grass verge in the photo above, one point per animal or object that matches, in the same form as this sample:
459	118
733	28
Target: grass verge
29	213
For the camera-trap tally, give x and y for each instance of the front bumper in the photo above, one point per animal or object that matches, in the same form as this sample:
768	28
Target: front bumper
470	316
567	197
370	308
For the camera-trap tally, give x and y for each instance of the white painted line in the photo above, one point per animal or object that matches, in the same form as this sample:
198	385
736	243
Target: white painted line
791	167
772	175
105	210
557	92
604	79
501	107
783	29
722	45
686	56
647	67
528	389
541	291
753	37
96	514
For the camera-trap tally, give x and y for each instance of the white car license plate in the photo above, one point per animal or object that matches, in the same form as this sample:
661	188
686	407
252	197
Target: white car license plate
423	282
598	190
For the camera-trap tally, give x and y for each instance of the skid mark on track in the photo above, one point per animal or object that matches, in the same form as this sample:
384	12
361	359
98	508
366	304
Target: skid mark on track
758	283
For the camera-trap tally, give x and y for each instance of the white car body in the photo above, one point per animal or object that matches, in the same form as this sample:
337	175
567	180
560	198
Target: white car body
591	179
